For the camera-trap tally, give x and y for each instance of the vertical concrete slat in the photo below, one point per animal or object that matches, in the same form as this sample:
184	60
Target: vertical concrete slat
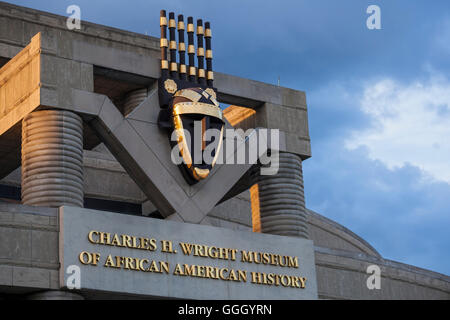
282	200
256	212
52	159
133	99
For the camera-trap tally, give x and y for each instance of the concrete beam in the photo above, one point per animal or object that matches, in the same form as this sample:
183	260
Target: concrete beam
69	58
340	274
143	150
122	50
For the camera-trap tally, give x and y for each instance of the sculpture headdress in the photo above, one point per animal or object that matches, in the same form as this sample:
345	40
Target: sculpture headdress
187	96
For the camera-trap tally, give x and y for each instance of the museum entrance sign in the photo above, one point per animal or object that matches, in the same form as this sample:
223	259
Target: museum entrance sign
126	254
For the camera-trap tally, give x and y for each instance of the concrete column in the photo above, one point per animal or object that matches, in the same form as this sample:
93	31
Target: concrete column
52	159
55	295
281	198
133	99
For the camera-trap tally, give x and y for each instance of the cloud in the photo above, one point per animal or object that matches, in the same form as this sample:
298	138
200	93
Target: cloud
396	208
403	217
410	125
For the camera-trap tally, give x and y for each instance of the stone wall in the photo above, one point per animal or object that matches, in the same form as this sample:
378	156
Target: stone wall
342	275
29	261
28	248
342	256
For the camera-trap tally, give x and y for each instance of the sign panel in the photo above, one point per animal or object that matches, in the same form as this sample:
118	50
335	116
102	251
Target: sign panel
113	252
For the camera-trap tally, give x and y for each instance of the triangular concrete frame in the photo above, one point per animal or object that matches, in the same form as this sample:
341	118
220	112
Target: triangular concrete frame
143	150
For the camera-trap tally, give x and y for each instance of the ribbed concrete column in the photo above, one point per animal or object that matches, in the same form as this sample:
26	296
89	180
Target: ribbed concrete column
55	295
52	159
133	99
281	199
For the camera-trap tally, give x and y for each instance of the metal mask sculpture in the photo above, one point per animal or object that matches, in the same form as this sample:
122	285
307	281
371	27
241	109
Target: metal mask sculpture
187	97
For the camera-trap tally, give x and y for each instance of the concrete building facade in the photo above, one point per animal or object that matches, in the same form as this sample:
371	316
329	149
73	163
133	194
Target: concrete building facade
81	132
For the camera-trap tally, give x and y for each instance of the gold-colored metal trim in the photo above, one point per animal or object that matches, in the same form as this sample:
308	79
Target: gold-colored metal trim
173	66
209	54
197	108
208	33
211	92
173	45
182	68
201	73
191	48
192	71
199	30
200	52
172	23
164	64
180	25
163	42
210	75
199	174
163	21
189	94
181	140
170	86
181	47
213	99
190	27
219	146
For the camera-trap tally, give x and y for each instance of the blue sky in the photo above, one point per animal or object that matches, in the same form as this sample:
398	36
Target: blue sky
378	101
